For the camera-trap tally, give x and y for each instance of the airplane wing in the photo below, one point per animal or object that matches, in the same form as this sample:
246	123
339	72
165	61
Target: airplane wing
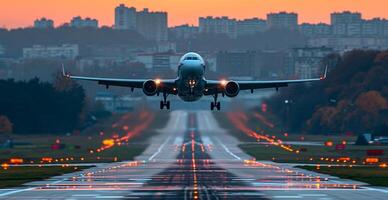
166	85
216	86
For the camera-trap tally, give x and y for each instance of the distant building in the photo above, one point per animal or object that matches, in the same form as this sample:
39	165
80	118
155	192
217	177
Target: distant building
2	50
315	29
283	20
346	23
349	43
166	46
116	104
306	62
184	31
66	51
78	22
218	25
159	61
43	23
259	64
238	63
251	26
345	17
152	25
125	18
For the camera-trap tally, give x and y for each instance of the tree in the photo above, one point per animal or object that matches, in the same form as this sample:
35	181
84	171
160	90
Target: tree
354	97
5	125
371	102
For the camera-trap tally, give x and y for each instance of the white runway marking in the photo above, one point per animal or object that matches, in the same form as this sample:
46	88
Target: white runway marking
287	197
376	189
16	191
159	149
206	140
227	150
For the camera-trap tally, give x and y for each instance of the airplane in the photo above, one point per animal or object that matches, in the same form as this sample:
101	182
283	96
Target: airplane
191	85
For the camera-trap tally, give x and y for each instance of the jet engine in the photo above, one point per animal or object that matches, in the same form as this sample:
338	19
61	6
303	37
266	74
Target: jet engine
231	89
150	87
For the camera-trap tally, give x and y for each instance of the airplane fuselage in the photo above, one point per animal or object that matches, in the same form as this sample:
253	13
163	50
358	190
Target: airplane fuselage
191	81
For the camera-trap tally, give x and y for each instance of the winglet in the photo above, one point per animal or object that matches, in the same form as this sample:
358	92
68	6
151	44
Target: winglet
63	72
325	74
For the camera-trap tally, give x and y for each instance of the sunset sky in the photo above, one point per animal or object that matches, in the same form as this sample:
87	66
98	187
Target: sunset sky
20	13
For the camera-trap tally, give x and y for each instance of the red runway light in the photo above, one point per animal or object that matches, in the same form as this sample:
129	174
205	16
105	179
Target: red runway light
329	143
16	161
5	165
47	159
371	160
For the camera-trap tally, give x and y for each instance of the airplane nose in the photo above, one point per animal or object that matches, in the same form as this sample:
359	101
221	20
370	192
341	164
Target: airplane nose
189	68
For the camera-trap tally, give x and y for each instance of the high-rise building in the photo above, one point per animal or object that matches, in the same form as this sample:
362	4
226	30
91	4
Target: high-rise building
152	25
125	18
43	23
345	17
251	26
218	25
78	22
282	20
346	23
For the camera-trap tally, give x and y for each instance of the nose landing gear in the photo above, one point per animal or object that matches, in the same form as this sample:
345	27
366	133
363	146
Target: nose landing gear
165	103
215	104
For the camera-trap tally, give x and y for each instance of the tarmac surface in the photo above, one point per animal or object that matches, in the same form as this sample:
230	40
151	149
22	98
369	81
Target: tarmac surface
194	158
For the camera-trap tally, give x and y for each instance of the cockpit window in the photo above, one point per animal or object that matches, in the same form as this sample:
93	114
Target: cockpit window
191	58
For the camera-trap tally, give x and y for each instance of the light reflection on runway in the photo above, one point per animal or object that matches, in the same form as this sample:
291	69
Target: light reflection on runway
193	158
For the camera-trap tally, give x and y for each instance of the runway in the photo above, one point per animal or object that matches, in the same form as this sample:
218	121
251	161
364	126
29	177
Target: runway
194	158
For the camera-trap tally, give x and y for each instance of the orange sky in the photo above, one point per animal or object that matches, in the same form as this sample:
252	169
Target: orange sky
17	13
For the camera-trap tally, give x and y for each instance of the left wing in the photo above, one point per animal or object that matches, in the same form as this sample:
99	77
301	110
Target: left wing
166	85
214	86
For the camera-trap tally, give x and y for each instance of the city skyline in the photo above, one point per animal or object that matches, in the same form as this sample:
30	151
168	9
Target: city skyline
103	10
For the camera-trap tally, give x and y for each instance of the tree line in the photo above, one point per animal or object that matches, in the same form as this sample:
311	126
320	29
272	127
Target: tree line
41	107
354	98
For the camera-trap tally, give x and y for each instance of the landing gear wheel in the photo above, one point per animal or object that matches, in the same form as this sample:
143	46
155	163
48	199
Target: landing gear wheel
165	103
215	103
168	105
161	105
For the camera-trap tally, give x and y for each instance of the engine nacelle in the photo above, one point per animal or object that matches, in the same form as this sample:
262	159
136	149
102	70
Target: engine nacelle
231	89
150	88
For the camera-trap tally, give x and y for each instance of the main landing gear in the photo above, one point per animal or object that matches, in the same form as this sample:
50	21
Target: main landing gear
165	103
215	104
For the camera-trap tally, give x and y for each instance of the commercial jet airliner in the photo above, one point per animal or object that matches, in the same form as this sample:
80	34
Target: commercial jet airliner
191	85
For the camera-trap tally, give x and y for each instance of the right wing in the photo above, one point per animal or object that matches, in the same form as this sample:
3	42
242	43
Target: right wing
166	85
216	86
